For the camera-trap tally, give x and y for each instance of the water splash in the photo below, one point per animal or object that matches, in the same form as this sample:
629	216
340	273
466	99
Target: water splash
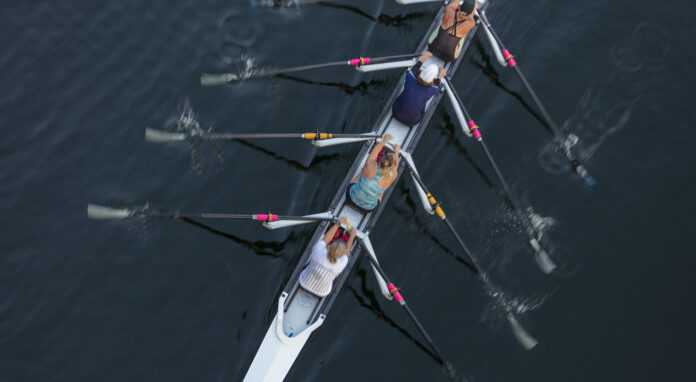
188	123
602	112
541	224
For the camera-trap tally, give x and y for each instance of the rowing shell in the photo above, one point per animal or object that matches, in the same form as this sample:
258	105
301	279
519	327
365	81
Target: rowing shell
299	312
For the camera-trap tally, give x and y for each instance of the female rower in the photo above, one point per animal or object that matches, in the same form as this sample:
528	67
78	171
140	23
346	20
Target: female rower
419	87
327	261
457	21
367	188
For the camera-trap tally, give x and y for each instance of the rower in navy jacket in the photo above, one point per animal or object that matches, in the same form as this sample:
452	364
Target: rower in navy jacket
419	87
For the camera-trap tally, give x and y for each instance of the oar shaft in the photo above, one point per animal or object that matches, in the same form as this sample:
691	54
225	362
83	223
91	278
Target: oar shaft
476	132
251	136
313	135
575	164
441	213
394	291
260	217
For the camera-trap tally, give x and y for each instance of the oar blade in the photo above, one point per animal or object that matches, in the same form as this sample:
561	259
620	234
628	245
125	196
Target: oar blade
524	338
159	136
208	79
542	258
102	212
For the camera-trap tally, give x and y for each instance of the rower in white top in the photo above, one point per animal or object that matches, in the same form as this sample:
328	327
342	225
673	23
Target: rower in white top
327	261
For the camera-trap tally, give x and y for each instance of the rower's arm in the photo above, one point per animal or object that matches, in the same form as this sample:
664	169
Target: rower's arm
350	240
330	234
450	10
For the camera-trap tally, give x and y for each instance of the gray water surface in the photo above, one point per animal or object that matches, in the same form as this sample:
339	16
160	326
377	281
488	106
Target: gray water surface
151	299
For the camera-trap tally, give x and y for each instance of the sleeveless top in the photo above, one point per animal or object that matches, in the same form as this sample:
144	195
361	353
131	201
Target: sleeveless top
445	46
319	274
366	192
408	107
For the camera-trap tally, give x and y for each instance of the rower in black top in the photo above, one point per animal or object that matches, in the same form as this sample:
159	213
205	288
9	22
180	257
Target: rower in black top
457	21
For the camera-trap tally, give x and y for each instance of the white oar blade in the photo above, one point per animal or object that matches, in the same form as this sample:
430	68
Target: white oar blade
386	65
159	136
338	141
101	212
542	258
371	252
526	340
457	110
217	79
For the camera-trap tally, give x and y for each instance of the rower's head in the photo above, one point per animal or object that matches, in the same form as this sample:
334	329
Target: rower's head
388	163
427	74
336	250
468	6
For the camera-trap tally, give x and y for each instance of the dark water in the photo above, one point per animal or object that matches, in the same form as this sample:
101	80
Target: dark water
160	300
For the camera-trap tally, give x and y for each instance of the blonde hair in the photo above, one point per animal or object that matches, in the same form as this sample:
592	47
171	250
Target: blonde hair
388	163
336	250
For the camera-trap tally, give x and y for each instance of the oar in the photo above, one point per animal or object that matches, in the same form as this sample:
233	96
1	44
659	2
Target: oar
575	164
271	221
394	291
541	257
219	79
526	340
160	136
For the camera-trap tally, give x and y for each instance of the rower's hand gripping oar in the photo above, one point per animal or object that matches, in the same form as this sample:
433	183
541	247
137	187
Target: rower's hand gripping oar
269	220
561	139
327	139
524	338
220	79
394	292
542	258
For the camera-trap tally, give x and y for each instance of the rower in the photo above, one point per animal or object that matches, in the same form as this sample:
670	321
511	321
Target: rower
327	261
378	173
457	21
419	87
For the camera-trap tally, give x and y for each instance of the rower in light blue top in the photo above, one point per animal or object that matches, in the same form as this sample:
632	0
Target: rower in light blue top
421	84
367	188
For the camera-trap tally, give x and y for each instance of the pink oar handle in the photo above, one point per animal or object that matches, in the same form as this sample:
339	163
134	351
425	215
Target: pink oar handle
266	217
509	58
360	61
